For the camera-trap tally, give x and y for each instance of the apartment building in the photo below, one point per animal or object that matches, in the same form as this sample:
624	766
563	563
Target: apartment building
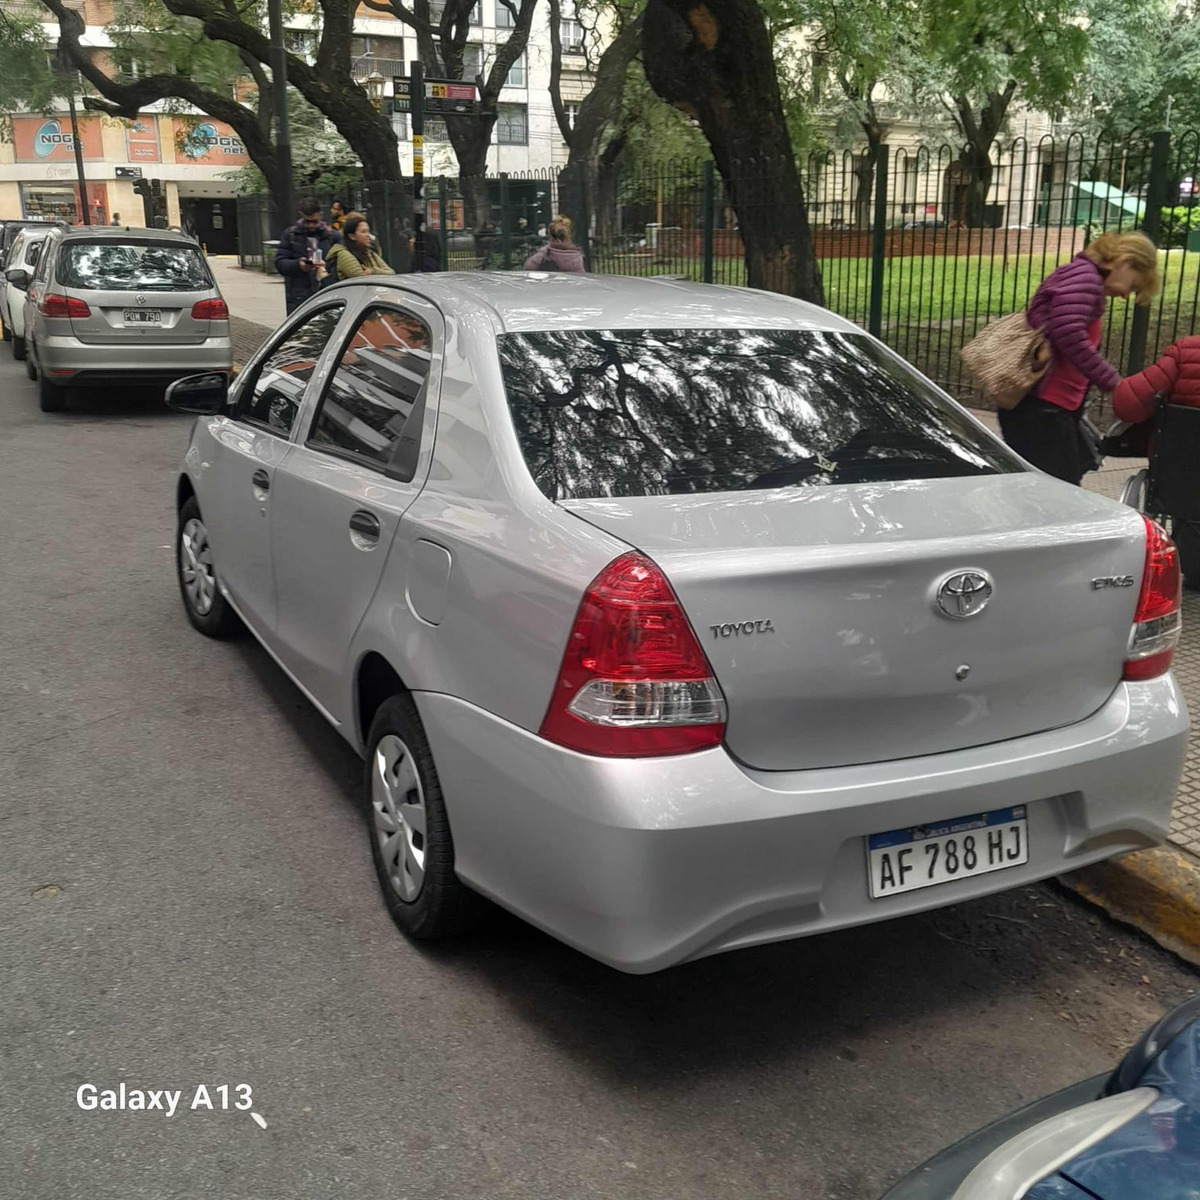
174	168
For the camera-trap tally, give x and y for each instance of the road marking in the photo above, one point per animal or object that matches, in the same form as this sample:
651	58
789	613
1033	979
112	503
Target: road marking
259	1121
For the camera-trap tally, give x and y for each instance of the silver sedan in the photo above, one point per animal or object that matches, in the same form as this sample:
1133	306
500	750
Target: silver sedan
676	618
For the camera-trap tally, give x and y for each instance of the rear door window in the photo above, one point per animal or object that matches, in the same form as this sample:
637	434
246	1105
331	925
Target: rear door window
274	396
134	266
645	412
374	387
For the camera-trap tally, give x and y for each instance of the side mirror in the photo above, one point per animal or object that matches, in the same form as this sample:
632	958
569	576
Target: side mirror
18	277
200	395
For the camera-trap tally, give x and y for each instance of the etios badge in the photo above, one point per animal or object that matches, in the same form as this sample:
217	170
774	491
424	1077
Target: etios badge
964	594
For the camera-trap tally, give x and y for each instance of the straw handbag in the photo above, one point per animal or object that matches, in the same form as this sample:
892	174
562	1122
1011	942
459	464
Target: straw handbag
1007	359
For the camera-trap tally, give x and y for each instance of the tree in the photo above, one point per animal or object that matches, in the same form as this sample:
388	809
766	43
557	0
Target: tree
984	54
1142	63
27	80
612	42
200	71
327	84
441	33
714	62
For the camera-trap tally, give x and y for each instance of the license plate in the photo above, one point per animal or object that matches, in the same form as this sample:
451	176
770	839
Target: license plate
143	316
907	859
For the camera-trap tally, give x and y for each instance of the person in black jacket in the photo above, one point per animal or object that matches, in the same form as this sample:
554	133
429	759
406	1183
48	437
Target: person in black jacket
302	252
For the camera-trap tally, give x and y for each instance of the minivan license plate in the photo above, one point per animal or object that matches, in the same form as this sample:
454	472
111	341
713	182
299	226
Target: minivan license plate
907	859
143	316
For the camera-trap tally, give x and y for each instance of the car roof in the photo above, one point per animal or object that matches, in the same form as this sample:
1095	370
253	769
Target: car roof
124	233
519	301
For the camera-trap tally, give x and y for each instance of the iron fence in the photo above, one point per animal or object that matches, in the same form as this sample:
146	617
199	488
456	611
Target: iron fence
920	244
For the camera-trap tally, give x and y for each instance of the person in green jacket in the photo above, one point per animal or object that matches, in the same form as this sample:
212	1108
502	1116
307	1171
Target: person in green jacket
353	255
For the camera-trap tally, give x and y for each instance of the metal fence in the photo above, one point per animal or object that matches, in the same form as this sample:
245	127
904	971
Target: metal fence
920	244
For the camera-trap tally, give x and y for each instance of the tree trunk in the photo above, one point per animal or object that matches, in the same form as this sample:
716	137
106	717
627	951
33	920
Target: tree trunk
979	133
864	175
607	181
714	62
471	138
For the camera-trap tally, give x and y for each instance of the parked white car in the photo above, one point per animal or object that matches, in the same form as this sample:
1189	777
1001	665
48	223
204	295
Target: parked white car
22	261
677	618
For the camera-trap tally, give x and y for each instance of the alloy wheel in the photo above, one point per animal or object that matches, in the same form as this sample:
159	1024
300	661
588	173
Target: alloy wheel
399	813
195	565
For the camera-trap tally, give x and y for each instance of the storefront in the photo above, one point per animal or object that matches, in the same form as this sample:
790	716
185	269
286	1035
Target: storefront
180	157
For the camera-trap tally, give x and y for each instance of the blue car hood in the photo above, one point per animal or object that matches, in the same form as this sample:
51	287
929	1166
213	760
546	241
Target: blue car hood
1157	1155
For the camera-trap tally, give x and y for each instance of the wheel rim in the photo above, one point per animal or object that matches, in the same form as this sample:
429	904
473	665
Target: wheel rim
399	804
195	567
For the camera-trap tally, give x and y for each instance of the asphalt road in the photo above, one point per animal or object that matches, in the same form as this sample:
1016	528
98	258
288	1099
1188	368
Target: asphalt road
186	898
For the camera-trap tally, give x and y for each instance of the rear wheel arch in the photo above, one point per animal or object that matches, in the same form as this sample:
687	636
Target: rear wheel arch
375	681
184	491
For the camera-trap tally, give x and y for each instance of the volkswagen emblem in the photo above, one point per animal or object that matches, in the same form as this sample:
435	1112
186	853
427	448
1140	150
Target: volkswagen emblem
140	298
964	594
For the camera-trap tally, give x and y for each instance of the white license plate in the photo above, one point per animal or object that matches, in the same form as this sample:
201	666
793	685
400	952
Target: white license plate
143	316
907	859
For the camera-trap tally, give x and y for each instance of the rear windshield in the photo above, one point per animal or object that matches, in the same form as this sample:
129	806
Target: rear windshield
128	266
658	412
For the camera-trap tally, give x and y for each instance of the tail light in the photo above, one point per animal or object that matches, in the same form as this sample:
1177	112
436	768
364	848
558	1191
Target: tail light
1158	620
634	680
210	310
55	304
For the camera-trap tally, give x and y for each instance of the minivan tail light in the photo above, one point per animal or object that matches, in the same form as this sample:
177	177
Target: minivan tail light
210	310
55	304
634	681
1159	619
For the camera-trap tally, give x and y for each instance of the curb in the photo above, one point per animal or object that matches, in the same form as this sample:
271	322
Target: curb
1158	891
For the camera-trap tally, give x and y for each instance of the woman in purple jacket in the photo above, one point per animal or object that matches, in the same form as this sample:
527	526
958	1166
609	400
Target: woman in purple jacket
1069	306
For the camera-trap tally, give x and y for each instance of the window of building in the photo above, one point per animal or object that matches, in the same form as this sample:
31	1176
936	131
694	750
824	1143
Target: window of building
512	125
570	32
275	395
50	201
400	125
572	114
435	129
477	13
505	18
472	61
517	73
302	42
374	387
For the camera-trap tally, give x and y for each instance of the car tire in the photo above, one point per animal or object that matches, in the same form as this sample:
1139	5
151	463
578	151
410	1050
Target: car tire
411	844
51	397
5	332
207	610
18	348
30	364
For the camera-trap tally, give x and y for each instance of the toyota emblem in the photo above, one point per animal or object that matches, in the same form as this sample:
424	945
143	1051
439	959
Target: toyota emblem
964	594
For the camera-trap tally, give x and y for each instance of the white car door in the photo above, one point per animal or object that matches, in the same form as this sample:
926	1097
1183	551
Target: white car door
340	494
243	453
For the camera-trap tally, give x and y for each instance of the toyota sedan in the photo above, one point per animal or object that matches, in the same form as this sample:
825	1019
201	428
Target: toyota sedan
675	618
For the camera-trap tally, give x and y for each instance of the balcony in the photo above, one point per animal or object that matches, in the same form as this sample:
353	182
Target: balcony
362	68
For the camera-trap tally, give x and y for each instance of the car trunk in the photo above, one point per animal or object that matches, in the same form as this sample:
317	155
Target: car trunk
148	317
818	609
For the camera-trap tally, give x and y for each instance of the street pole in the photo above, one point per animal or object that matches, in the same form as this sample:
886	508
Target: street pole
416	74
83	196
284	199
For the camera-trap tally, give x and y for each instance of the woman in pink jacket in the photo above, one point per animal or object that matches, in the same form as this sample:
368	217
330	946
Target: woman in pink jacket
1069	306
560	253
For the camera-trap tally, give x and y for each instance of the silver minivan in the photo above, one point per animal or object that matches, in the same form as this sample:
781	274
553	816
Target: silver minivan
122	306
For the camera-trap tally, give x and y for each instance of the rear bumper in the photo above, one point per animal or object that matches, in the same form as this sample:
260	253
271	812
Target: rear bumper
646	863
69	361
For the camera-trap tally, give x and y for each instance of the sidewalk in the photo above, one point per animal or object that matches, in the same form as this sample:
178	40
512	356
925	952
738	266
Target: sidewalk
256	304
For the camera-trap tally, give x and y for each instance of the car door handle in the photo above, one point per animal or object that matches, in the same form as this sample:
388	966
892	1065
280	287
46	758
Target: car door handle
261	480
365	524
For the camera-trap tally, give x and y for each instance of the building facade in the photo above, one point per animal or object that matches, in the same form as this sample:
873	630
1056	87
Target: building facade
174	168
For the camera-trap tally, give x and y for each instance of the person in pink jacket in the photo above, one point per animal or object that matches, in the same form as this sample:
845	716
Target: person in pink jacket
1069	307
560	253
